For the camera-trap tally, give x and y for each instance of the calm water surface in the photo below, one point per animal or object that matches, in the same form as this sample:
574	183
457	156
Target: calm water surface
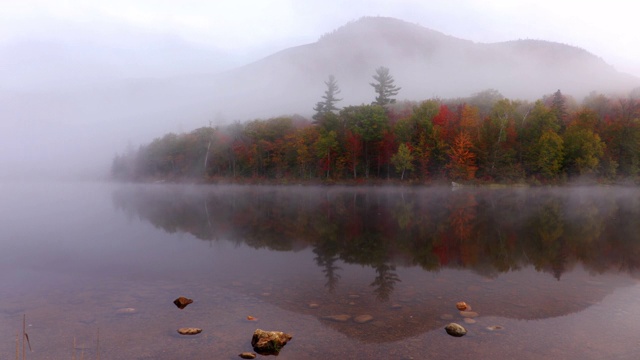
555	269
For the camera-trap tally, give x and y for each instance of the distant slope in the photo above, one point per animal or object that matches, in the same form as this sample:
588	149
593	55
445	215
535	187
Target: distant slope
424	62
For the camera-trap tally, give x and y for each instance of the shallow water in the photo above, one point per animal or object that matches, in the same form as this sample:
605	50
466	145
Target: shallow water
556	269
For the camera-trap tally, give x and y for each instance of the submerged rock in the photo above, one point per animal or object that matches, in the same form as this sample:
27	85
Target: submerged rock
361	319
456	330
461	305
469	321
126	311
189	331
469	314
247	355
269	342
338	318
494	327
182	302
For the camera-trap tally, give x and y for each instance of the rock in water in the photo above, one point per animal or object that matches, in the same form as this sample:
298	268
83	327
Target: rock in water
189	331
247	355
456	330
269	342
461	305
182	302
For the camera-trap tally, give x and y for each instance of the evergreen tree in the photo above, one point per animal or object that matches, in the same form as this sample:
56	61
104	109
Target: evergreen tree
559	107
384	87
328	105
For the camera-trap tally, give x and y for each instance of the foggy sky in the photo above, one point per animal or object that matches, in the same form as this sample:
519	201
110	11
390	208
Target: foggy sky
74	72
244	29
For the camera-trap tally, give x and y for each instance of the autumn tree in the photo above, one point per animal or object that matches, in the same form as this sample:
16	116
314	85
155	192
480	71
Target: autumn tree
369	122
328	104
402	160
549	152
384	87
583	147
462	164
326	145
497	142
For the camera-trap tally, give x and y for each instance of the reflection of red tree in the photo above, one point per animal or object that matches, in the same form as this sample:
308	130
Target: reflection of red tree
458	240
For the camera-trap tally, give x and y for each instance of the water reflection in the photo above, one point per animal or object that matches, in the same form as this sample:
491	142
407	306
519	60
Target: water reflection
466	237
486	231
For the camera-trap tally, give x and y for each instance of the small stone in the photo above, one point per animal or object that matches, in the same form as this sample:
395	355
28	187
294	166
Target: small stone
189	331
456	330
461	305
361	319
338	318
126	311
247	355
269	342
446	317
182	302
313	306
469	314
469	321
396	306
252	318
494	327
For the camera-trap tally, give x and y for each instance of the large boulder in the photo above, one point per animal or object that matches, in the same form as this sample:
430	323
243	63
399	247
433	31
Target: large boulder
269	342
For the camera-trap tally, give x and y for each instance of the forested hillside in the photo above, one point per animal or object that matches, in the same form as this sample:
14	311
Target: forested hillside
485	137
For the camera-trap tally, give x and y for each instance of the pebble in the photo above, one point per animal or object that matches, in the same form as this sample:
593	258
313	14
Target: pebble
456	330
469	321
313	306
446	317
189	331
396	306
361	319
339	318
247	355
469	314
461	305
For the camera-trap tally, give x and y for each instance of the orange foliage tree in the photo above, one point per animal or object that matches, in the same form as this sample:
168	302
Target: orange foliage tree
462	164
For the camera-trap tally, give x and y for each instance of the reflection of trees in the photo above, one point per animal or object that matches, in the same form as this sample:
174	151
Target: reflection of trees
487	231
326	259
385	281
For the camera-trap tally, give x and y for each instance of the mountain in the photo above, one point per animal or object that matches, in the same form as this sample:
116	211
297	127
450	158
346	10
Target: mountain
424	62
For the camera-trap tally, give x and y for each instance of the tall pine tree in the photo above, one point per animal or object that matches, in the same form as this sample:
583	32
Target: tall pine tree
384	87
328	105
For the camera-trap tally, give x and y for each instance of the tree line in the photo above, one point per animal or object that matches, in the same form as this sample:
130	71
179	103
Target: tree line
485	137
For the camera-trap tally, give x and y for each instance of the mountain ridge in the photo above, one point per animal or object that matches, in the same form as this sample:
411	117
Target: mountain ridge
425	63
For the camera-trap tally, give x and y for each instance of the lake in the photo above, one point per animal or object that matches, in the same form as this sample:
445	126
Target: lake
94	268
